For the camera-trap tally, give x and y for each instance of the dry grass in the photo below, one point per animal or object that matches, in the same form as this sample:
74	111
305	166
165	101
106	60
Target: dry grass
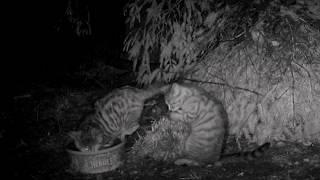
164	142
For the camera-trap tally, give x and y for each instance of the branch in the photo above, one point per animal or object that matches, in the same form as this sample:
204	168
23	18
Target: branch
224	84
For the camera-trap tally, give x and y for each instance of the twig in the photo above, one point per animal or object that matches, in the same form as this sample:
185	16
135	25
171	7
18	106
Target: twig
99	83
224	84
22	96
293	85
307	71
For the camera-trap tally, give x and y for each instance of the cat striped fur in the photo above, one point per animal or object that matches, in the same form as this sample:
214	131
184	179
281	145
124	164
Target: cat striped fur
116	115
208	121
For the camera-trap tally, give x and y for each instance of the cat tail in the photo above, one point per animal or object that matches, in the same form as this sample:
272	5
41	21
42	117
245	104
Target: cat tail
249	155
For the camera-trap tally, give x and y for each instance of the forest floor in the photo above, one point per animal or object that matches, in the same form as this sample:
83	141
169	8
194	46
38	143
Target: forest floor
33	135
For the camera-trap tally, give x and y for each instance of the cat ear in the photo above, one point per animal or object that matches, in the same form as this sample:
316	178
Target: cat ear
175	85
76	138
75	135
165	88
176	88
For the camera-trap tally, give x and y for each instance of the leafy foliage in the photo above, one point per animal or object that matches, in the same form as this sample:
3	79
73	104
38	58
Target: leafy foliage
166	39
167	33
77	18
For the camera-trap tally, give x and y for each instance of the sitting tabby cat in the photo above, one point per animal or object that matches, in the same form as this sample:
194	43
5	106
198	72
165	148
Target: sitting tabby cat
116	115
208	123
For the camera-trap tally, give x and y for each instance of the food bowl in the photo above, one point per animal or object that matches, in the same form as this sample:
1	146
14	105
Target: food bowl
98	161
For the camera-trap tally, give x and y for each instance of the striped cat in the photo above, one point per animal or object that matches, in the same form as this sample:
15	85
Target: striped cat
89	137
208	123
116	115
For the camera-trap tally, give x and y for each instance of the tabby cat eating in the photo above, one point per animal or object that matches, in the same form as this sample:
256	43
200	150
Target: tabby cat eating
116	115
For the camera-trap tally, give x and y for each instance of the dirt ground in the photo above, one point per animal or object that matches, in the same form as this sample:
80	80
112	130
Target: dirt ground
33	136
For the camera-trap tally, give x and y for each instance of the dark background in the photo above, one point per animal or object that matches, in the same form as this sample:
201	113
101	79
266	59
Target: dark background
34	51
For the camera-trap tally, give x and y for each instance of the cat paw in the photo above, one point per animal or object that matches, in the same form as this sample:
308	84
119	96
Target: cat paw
188	162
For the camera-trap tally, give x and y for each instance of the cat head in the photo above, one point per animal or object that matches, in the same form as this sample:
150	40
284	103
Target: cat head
183	102
89	140
176	96
90	136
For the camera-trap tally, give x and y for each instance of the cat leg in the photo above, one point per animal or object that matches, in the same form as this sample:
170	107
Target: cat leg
131	126
132	123
109	143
